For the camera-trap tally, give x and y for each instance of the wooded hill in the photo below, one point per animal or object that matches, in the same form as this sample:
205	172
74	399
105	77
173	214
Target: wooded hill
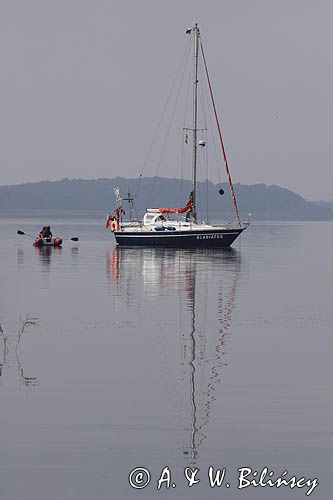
263	202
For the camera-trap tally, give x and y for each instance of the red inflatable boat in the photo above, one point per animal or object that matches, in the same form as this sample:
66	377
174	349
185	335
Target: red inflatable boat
47	242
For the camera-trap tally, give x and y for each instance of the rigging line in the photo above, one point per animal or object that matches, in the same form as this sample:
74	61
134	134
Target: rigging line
181	171
203	181
202	97
218	170
201	190
210	128
206	161
201	160
200	187
203	164
185	57
203	104
205	114
185	130
188	86
169	128
221	139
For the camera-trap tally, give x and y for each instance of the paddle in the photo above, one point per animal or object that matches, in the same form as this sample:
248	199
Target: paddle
22	233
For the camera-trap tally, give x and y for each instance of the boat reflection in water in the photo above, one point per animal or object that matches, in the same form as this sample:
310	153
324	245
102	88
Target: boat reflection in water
20	257
204	283
45	255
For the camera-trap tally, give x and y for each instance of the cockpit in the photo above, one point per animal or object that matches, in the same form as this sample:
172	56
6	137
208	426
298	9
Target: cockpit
153	218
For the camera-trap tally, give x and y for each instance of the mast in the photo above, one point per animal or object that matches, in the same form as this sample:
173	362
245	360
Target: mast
195	118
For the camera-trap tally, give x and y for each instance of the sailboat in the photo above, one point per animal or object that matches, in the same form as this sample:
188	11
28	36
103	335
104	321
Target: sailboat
180	227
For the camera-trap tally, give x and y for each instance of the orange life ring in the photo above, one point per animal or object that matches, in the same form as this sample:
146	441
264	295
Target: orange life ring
114	226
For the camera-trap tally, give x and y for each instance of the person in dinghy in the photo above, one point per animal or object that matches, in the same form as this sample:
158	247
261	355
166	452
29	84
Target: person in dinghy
45	238
45	232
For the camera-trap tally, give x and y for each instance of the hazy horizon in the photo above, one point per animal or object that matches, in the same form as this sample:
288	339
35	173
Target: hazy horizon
161	176
84	84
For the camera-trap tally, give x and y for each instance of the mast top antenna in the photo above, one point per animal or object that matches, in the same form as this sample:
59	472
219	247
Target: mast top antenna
189	30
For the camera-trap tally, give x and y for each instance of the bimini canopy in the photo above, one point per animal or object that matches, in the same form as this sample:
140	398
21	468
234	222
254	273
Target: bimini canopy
187	208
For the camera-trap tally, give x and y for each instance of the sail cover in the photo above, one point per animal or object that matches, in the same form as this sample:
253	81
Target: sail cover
188	206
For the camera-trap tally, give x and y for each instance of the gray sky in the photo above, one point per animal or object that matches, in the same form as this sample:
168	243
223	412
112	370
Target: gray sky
83	84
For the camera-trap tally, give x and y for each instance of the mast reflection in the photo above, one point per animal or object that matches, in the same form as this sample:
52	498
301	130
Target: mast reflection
203	346
204	282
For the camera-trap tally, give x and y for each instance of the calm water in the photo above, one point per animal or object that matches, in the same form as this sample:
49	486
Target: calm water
154	358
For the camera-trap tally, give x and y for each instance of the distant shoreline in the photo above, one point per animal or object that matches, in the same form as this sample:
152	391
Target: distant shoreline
263	202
